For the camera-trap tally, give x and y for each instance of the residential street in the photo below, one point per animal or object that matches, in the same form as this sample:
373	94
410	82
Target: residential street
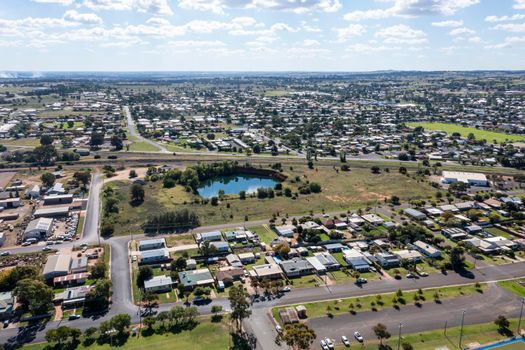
133	132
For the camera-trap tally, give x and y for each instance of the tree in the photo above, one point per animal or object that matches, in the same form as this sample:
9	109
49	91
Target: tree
457	259
149	298
46	140
406	346
502	323
120	323
215	309
207	249
149	322
282	249
98	270
137	193
381	332
45	154
34	295
132	174
178	264
145	273
97	299
394	200
375	169
402	170
83	177
239	305
117	142
63	334
242	195
298	336
97	139
48	179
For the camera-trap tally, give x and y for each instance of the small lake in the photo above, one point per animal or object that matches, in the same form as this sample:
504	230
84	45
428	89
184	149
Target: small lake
234	184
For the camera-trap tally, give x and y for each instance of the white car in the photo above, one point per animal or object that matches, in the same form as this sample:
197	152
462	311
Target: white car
345	341
286	289
323	345
329	343
358	337
278	329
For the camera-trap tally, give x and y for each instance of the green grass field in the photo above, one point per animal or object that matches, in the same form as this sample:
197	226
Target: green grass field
478	333
206	336
367	303
464	131
340	191
265	234
141	146
514	287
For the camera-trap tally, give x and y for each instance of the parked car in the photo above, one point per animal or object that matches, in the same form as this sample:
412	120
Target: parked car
345	341
358	337
278	329
74	317
361	280
329	343
324	346
286	289
6	253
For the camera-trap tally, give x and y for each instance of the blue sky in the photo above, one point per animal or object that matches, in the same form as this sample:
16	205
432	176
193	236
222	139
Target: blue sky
261	35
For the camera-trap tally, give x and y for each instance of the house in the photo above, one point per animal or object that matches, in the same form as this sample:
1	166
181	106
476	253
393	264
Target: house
482	245
71	279
159	284
493	203
415	214
334	247
233	260
73	297
222	247
150	244
191	264
79	264
6	305
39	228
412	256
154	256
285	230
209	236
434	211
196	278
324	259
427	249
58	199
228	275
356	220
266	271
56	189
237	235
246	258
356	259
373	219
296	267
56	265
454	233
473	179
387	260
474	229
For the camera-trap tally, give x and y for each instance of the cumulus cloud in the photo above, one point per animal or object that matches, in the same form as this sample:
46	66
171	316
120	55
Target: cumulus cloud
59	2
449	24
515	17
157	7
401	34
462	31
519	4
511	27
87	18
295	6
412	8
353	30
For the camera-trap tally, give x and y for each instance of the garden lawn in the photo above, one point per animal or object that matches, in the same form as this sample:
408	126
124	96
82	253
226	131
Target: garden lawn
206	336
514	286
464	132
266	234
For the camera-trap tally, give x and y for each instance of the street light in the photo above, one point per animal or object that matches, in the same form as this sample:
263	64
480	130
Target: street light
461	330
521	314
399	336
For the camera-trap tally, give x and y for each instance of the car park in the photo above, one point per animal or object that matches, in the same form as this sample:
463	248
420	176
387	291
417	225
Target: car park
329	343
324	346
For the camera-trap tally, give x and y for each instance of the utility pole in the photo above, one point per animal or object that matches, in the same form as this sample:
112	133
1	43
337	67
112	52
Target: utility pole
521	314
461	329
399	336
445	330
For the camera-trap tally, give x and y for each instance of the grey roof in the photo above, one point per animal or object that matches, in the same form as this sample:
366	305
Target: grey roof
158	281
40	224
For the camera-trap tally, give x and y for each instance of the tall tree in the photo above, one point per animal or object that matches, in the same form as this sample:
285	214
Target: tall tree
239	305
381	332
298	336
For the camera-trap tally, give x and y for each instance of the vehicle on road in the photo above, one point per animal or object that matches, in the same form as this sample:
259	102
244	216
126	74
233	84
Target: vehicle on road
358	337
6	253
345	341
25	244
423	274
361	280
73	317
46	248
286	289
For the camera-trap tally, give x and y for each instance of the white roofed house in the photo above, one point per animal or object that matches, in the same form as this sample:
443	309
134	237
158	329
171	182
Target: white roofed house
159	284
427	249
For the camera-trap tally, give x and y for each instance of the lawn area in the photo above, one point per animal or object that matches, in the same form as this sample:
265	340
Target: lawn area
76	125
26	142
206	336
179	239
464	131
499	232
142	146
481	333
514	287
80	225
172	147
276	93
366	303
265	233
341	191
305	281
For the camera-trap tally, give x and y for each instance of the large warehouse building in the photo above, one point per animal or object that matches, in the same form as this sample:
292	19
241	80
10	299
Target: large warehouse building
473	179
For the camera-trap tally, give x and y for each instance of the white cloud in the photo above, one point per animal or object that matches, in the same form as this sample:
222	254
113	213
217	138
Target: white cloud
367	48
353	30
519	4
157	7
295	6
401	34
448	24
462	31
511	27
310	42
412	8
88	18
508	42
59	2
190	44
38	22
515	17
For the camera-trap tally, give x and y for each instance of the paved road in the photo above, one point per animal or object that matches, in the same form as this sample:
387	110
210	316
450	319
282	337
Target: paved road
134	133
